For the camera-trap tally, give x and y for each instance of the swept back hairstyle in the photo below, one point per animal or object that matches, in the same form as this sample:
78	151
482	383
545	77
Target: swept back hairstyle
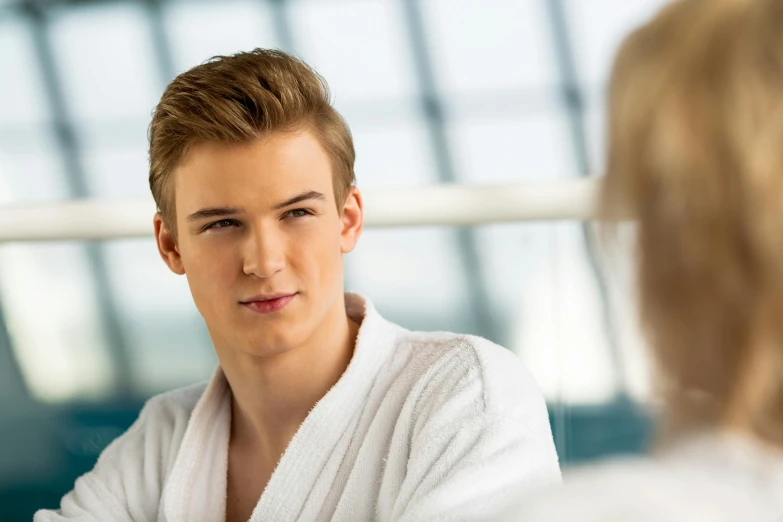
695	155
235	100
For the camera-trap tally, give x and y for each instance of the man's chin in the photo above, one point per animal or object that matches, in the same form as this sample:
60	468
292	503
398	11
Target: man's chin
268	346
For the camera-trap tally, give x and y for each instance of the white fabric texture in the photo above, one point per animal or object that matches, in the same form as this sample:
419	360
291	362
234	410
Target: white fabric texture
420	427
709	478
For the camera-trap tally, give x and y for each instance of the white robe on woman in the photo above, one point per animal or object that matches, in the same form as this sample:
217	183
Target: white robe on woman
716	477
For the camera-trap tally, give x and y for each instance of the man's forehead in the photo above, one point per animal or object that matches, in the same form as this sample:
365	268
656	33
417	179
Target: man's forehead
269	172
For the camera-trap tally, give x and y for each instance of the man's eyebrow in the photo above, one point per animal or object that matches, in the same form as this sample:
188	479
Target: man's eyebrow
299	198
212	212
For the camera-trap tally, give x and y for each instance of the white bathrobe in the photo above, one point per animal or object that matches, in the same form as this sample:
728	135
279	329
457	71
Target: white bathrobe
420	427
708	478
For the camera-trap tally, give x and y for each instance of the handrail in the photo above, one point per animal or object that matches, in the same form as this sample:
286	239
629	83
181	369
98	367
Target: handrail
429	205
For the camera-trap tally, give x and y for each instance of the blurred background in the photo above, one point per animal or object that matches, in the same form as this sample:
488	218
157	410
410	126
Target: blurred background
467	91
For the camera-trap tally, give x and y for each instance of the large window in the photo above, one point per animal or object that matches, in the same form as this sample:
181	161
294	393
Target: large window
435	91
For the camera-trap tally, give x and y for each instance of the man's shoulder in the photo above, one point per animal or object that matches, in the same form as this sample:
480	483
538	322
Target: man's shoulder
156	433
475	351
449	358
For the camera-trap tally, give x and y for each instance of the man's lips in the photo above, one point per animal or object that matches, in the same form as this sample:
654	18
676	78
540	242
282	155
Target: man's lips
268	304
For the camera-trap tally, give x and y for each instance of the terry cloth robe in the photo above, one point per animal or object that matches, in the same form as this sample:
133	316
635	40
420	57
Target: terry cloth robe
713	477
420	427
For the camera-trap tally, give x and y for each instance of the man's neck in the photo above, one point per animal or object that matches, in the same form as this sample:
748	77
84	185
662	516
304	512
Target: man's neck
273	395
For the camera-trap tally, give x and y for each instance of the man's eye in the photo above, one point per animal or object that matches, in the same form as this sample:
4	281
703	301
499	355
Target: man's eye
223	223
298	213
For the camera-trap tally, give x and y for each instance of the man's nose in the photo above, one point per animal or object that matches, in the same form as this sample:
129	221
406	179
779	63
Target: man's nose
264	256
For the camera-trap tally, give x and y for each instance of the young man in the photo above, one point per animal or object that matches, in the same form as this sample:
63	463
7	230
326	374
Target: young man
320	409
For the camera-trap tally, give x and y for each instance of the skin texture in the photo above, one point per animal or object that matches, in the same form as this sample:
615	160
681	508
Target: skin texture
236	239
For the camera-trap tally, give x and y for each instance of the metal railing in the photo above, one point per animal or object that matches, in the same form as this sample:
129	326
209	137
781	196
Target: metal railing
441	204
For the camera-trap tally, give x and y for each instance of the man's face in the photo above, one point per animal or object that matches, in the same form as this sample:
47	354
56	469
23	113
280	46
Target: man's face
261	240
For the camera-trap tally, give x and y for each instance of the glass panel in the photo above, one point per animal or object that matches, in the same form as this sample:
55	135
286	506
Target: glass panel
595	120
118	168
414	277
104	56
489	45
22	98
393	155
111	89
559	331
51	315
620	270
199	31
599	26
168	344
634	366
496	150
30	167
367	31
542	288
546	299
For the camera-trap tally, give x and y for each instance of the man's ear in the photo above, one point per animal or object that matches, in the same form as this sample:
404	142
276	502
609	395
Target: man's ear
167	245
352	220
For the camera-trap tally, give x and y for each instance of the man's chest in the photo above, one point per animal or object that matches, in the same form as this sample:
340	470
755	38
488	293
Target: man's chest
247	477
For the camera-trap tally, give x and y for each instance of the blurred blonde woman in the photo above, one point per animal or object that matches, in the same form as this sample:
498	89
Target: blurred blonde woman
695	156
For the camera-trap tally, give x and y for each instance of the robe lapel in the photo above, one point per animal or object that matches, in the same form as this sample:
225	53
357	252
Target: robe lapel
309	465
196	486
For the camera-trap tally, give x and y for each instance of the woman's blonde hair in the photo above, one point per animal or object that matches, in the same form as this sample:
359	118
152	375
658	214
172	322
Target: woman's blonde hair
695	155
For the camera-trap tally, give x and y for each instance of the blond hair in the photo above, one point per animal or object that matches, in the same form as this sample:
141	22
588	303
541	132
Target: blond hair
696	156
237	99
